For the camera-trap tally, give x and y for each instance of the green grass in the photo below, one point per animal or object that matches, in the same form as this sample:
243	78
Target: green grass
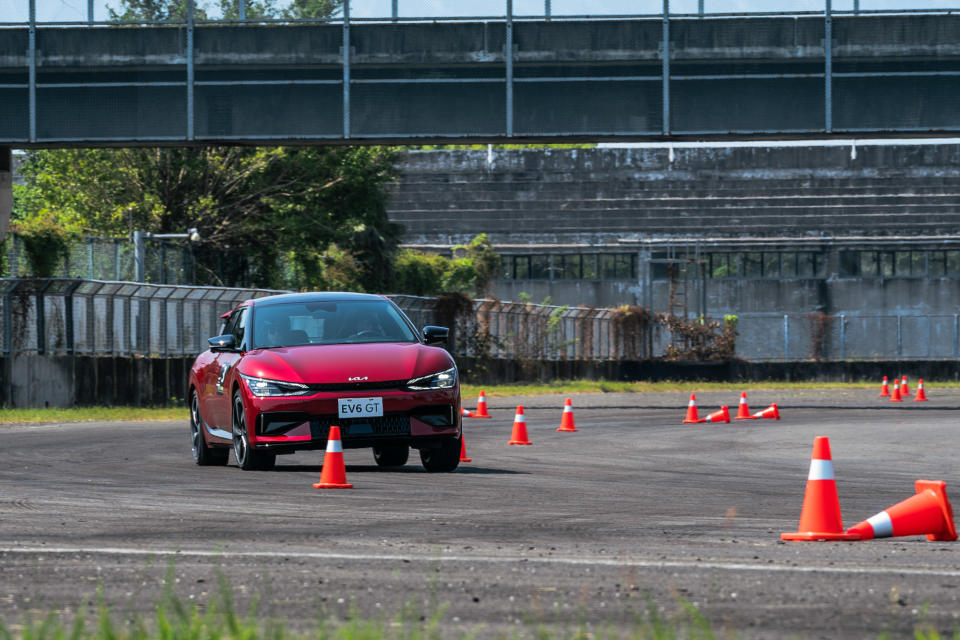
217	619
468	391
91	414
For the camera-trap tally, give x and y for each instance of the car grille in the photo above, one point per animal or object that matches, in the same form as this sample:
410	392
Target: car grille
357	386
390	425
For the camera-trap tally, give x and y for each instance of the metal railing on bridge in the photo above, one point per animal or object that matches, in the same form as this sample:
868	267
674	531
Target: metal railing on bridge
104	318
495	88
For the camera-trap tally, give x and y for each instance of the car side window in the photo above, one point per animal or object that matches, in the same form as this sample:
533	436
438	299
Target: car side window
240	326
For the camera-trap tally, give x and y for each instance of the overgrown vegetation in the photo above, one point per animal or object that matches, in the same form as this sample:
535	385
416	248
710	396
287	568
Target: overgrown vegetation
700	339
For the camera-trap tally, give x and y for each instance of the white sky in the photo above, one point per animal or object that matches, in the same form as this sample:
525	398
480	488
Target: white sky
70	10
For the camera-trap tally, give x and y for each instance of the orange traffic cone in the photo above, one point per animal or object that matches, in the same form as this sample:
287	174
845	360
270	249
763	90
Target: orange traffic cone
743	413
904	389
921	396
895	396
519	428
333	474
771	413
467	414
928	512
481	411
692	417
884	388
463	450
566	420
820	518
723	415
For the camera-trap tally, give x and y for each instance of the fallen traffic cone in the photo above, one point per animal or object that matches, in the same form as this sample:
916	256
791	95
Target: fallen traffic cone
904	389
884	388
723	415
463	450
481	411
519	435
820	518
566	420
692	416
333	474
927	513
743	412
770	413
895	396
467	414
921	396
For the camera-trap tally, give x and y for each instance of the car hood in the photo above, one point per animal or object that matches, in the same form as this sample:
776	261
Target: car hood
338	363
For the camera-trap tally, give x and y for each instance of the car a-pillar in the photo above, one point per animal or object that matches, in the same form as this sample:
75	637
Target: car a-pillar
6	189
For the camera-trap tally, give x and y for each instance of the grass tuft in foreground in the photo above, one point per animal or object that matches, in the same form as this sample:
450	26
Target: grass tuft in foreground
218	620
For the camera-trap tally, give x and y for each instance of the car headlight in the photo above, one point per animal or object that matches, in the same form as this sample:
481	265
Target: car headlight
440	380
261	387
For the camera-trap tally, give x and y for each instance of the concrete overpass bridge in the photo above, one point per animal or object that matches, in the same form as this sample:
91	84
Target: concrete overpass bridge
503	79
493	80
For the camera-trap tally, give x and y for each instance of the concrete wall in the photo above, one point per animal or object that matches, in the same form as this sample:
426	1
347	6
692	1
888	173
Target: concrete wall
49	381
651	202
67	381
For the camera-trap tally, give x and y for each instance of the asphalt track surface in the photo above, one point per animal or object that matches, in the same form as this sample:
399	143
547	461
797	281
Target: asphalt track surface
586	527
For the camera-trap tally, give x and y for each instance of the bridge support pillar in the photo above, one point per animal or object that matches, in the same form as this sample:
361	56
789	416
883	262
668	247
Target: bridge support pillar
6	189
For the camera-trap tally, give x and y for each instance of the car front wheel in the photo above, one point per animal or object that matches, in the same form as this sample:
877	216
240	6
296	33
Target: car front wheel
391	456
247	458
203	454
442	459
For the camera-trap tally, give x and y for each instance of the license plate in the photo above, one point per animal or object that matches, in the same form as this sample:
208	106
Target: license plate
360	407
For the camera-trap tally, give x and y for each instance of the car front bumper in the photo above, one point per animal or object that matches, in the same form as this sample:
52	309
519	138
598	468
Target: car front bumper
287	424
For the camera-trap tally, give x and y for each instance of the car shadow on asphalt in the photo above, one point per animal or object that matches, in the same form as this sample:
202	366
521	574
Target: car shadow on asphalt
351	468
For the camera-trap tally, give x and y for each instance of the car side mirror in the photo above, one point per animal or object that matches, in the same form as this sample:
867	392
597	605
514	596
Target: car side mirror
222	343
435	335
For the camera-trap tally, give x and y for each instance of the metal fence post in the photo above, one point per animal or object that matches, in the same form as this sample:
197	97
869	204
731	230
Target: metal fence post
190	70
32	72
346	69
786	338
242	5
508	58
41	319
665	66
899	336
546	9
828	67
90	11
843	337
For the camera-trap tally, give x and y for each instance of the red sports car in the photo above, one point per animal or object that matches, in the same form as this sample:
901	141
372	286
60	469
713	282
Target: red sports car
288	367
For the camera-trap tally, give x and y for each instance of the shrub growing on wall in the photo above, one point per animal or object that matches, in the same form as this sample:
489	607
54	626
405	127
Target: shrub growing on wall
46	244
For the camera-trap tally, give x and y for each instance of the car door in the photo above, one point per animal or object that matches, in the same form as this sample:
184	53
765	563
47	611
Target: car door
221	396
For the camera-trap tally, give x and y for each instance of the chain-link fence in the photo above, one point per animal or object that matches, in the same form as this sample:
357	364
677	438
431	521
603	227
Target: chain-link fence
92	317
100	258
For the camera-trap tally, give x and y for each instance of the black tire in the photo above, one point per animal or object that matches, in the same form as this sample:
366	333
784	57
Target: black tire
392	455
247	458
442	459
203	454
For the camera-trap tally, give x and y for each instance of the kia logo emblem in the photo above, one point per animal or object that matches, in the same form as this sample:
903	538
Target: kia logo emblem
357	379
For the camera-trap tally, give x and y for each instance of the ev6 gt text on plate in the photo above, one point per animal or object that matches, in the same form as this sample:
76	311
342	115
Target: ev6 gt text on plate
361	407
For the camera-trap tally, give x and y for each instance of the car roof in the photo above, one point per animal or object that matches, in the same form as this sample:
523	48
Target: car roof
313	296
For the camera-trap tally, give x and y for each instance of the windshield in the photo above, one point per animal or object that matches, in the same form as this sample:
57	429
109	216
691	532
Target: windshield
352	322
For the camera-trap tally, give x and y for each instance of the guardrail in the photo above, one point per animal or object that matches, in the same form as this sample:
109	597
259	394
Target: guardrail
406	11
59	316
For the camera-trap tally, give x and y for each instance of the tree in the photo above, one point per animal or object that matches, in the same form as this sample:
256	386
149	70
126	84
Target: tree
255	204
176	10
